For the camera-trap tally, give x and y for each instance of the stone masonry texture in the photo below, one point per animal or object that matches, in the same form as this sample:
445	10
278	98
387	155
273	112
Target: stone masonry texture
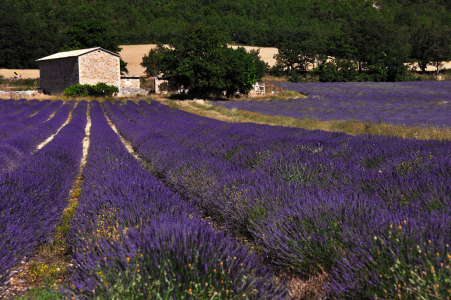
58	74
99	66
130	83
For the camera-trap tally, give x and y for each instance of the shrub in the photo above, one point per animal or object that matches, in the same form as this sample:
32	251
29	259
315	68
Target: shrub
77	90
164	86
100	89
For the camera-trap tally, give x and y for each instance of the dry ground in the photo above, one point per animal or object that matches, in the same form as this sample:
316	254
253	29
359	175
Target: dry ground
133	54
26	73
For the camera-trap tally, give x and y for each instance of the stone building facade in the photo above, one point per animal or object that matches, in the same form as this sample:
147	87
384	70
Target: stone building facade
58	74
86	66
130	81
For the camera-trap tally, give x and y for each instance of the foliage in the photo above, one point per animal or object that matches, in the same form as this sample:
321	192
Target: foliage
431	45
152	60
93	33
83	90
203	62
378	39
300	50
338	70
164	86
30	30
261	66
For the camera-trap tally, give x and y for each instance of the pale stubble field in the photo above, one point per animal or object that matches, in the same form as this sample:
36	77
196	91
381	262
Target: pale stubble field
133	54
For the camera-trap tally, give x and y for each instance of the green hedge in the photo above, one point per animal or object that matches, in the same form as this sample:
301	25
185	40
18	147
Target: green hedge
100	89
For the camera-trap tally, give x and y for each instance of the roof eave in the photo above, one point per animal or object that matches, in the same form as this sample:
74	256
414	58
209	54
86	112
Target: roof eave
92	50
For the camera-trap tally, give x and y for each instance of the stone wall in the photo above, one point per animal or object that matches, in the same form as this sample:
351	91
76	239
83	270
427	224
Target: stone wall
130	83
99	66
126	91
58	74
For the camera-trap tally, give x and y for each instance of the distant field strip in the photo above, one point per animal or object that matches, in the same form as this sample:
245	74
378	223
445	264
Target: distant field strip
352	127
424	103
133	54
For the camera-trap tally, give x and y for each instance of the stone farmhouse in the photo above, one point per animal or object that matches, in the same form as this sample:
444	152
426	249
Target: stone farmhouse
85	66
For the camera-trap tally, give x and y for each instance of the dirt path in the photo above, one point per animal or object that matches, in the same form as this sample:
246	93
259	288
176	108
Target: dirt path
39	147
300	287
126	143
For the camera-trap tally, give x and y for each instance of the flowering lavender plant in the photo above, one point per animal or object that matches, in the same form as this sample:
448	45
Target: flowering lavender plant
410	103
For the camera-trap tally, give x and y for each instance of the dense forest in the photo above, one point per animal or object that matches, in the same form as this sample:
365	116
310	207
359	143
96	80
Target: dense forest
364	31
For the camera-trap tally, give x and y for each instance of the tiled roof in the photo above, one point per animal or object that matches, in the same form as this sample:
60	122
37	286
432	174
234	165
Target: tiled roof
75	53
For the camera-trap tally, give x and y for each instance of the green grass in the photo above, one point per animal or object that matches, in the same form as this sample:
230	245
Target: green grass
42	292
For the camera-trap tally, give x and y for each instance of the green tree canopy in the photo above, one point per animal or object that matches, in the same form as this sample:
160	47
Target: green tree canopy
203	62
93	33
431	45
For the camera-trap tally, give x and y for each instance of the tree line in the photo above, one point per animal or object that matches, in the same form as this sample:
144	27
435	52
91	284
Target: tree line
368	40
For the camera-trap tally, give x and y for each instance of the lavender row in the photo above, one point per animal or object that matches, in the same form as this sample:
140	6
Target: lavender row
5	104
33	197
410	103
10	129
313	228
135	239
407	171
20	146
29	108
14	107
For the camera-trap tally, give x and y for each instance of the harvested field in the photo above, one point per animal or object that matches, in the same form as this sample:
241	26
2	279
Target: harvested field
26	73
133	54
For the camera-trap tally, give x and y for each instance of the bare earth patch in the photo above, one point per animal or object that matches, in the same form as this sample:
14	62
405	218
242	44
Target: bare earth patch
51	137
126	143
25	73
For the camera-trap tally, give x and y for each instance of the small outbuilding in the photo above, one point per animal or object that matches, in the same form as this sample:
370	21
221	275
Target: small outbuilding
130	81
259	87
86	66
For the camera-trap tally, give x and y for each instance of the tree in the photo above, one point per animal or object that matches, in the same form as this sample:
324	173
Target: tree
299	51
382	46
241	72
431	45
262	67
152	61
203	62
93	33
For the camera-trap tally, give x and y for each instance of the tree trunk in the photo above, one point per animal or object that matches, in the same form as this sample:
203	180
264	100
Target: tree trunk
422	66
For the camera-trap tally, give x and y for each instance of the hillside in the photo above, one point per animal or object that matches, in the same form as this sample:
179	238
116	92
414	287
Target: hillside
33	29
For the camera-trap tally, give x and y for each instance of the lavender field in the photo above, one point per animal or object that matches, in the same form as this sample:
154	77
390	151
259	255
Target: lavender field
372	212
423	103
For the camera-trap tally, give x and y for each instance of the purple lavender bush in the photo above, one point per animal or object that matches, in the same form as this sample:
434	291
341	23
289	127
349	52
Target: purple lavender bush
135	239
313	200
34	196
21	145
418	103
